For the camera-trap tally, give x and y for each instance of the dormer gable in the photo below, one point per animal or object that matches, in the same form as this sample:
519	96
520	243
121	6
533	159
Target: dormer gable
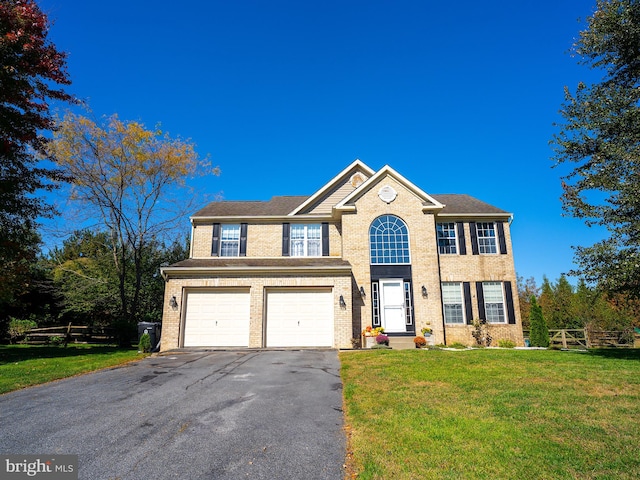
348	203
335	190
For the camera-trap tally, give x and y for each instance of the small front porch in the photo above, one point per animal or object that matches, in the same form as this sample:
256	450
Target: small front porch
397	342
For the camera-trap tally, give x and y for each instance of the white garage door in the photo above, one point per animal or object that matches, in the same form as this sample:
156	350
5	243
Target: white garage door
217	319
300	318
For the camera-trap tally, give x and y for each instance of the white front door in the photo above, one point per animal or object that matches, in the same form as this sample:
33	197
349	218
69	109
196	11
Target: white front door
392	305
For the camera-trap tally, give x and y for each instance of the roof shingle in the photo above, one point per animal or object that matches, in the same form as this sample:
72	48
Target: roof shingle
455	203
277	206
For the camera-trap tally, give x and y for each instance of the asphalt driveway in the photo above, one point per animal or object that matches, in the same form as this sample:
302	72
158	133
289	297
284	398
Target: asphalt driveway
199	415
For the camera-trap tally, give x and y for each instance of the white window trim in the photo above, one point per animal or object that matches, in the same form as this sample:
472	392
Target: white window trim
455	238
408	262
305	239
222	241
504	304
462	305
495	238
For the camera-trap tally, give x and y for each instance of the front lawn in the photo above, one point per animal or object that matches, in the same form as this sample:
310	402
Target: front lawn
25	365
488	414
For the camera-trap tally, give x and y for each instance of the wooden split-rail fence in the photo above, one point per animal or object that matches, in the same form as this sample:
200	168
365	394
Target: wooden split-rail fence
70	334
583	338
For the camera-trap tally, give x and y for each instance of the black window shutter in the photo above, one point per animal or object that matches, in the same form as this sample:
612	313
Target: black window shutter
474	238
480	295
501	239
462	244
325	239
243	239
215	244
466	287
509	297
285	239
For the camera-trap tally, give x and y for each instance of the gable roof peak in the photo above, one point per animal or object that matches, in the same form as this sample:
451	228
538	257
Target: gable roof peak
430	203
356	166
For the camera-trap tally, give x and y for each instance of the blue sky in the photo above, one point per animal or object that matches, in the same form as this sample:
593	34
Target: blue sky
459	97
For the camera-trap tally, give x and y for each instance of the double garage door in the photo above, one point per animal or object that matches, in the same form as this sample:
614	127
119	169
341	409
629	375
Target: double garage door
294	318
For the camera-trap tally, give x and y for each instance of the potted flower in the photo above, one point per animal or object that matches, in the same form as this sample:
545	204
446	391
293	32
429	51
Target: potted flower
419	341
426	331
370	335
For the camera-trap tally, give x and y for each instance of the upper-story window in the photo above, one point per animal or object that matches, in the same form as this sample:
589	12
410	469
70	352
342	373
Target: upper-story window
389	240
306	240
486	232
229	240
447	237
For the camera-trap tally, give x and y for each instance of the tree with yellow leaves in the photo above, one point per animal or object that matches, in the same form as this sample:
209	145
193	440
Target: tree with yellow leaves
129	179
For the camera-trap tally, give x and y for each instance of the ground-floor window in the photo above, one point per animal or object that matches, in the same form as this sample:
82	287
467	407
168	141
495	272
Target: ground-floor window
408	307
453	303
493	302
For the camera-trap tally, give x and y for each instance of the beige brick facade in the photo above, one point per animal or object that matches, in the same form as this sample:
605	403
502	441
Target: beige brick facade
173	317
347	267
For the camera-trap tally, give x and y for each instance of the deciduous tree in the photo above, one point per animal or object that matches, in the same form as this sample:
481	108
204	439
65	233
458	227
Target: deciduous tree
131	180
600	139
526	289
31	70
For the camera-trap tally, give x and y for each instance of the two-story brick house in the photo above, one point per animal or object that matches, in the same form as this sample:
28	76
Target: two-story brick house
368	248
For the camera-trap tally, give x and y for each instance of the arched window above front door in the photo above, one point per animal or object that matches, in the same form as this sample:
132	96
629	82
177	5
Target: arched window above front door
389	241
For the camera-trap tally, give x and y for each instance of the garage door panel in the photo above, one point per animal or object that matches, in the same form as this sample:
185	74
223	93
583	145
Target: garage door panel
217	319
300	318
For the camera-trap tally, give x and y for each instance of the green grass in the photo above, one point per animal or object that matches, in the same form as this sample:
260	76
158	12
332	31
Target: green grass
26	365
492	414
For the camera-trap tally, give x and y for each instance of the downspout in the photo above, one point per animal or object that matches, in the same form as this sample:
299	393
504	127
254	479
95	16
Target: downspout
444	326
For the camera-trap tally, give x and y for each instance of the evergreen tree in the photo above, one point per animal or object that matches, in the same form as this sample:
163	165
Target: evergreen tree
539	334
600	137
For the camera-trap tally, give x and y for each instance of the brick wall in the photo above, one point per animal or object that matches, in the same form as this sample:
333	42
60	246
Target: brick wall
424	258
172	317
349	239
263	240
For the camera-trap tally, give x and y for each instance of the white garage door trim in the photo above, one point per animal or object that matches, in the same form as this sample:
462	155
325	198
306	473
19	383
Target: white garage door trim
300	317
216	318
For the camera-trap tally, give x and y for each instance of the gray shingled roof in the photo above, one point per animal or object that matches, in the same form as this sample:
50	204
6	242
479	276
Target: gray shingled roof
460	203
278	206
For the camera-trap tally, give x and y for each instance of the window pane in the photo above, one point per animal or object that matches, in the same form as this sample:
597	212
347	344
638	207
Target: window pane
486	237
230	232
493	302
495	312
230	241
389	240
492	291
314	248
453	314
453	304
451	293
446	237
306	240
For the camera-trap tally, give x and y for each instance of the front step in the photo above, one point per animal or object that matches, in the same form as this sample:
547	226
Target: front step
401	343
